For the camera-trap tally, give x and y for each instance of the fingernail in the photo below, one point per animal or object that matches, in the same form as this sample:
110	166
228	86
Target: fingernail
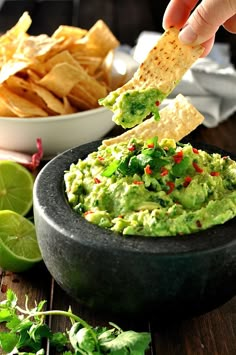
187	35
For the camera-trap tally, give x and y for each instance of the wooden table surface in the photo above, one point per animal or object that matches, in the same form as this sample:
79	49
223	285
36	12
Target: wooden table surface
213	333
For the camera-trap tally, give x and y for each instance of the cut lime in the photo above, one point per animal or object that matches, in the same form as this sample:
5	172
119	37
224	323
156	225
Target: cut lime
18	243
16	187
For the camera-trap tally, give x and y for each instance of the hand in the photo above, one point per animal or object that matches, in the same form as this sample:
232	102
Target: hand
201	26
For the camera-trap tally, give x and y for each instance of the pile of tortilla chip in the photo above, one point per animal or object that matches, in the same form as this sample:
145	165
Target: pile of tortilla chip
53	75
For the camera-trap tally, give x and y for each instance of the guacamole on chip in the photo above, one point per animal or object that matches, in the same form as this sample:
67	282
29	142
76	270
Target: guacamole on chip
151	188
154	80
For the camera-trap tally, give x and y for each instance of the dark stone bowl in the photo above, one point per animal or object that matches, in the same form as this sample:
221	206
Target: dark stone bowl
179	276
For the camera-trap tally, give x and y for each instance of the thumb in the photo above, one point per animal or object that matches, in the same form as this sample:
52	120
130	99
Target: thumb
205	20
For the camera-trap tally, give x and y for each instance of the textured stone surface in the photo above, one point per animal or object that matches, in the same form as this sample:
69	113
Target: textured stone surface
184	275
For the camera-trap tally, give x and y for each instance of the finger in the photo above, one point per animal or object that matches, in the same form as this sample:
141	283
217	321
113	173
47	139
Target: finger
208	46
177	13
206	19
230	24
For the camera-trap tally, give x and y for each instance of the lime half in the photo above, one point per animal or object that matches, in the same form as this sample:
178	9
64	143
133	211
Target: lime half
16	187
19	249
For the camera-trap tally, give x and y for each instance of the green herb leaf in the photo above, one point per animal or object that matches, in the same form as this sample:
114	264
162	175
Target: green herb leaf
27	331
152	141
138	163
110	169
59	340
82	339
129	341
8	341
37	332
180	169
5	315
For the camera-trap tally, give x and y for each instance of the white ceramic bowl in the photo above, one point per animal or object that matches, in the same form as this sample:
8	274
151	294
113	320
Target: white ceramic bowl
58	133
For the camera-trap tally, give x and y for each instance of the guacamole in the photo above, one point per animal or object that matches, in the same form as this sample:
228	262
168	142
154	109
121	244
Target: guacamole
152	188
132	107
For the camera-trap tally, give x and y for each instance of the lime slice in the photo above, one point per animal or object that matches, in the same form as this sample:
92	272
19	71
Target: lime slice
16	186
18	243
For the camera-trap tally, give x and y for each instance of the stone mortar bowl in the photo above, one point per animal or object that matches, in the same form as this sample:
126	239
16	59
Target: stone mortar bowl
173	276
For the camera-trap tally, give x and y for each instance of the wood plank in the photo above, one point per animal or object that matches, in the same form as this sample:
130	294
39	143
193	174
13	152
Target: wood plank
62	301
212	333
35	283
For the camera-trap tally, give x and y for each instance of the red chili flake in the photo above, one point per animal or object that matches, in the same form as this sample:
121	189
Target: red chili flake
157	103
164	171
187	181
198	223
87	212
197	167
120	216
150	145
4	288
195	150
138	182
96	180
171	185
178	157
148	170
225	157
131	148
100	158
214	173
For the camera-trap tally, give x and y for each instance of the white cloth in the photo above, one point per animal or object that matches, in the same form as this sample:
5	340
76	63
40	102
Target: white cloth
210	85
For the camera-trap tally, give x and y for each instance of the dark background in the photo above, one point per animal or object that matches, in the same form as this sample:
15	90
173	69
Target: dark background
126	18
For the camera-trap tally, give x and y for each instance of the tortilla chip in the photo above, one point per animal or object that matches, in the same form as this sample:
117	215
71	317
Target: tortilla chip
90	84
89	63
85	100
100	39
71	32
62	57
24	88
67	106
80	103
32	75
18	30
164	65
50	100
162	70
20	106
4	110
12	67
51	75
61	79
36	46
177	120
26	55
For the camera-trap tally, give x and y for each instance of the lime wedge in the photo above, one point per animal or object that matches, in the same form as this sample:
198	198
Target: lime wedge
19	249
16	186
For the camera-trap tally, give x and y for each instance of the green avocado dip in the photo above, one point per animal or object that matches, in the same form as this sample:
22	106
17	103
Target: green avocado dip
153	188
132	107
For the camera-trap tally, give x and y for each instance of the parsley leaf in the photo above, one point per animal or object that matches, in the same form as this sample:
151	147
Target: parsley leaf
26	333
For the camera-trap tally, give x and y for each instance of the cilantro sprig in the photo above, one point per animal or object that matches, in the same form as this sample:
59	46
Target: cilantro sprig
136	159
26	332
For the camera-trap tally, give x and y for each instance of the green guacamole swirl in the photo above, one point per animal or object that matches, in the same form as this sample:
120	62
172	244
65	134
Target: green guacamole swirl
153	189
132	107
